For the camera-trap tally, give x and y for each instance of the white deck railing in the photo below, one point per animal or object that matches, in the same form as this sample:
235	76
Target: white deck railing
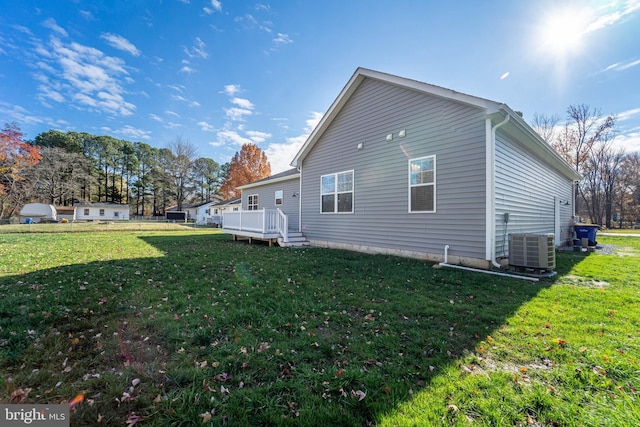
264	221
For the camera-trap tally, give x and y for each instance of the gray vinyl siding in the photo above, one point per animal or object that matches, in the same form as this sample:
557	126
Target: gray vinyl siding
528	188
266	198
451	131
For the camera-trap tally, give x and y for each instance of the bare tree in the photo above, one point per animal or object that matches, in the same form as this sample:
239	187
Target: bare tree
180	166
546	126
57	178
584	129
628	190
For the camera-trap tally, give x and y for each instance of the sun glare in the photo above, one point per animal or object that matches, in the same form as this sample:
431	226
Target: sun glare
563	31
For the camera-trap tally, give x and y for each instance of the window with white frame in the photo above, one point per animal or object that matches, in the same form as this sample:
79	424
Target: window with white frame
422	184
252	202
116	214
279	197
337	192
101	212
86	212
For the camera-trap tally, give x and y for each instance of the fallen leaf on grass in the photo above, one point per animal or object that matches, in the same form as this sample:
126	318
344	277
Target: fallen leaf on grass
359	394
206	417
17	396
133	419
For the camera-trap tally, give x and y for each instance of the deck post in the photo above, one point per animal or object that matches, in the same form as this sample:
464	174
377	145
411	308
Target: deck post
264	220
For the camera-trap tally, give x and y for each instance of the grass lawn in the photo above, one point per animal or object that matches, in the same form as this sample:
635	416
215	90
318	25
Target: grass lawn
190	328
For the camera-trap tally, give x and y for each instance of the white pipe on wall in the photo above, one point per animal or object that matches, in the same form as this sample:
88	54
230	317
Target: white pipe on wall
491	191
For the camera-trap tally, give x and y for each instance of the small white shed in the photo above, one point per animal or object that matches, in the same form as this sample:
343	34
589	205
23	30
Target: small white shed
38	212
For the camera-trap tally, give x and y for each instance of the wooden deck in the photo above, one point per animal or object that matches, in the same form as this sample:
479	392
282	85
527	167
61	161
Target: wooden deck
265	224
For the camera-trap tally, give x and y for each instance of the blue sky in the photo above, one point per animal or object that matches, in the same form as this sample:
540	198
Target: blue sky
220	73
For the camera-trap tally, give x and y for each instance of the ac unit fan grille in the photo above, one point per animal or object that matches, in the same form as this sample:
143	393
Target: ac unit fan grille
532	251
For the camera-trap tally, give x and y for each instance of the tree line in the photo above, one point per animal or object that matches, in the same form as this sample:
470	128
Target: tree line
609	192
64	168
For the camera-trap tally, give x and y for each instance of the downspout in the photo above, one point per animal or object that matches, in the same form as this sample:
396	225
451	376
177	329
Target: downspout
300	198
490	250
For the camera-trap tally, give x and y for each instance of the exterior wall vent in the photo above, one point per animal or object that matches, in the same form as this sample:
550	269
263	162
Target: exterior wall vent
535	251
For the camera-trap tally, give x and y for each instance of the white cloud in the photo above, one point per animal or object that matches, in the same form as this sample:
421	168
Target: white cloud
171	113
197	50
282	39
51	24
610	13
187	101
130	132
242	103
237	114
313	121
120	43
622	66
280	155
177	88
215	5
629	114
156	118
20	114
630	142
85	75
187	69
231	89
257	136
206	126
230	137
87	15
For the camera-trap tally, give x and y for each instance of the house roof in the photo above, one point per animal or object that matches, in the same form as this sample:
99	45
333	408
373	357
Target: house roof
102	205
197	205
494	110
282	176
233	201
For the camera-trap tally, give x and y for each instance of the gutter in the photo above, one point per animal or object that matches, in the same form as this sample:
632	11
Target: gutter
490	191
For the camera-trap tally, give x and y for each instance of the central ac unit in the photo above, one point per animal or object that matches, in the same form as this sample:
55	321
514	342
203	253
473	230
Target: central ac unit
532	251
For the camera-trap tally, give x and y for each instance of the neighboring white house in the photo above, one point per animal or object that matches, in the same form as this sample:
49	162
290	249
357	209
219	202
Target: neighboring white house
102	212
403	167
218	210
38	212
202	213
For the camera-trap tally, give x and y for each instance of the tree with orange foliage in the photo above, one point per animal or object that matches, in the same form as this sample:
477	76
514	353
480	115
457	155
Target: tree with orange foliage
16	157
248	165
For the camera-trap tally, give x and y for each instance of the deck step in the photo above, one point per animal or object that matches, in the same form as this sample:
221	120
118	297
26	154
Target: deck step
296	240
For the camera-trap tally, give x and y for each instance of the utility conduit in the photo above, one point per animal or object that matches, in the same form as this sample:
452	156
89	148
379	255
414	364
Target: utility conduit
478	270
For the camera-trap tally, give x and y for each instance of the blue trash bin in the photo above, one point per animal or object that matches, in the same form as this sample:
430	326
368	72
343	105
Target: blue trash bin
587	230
29	221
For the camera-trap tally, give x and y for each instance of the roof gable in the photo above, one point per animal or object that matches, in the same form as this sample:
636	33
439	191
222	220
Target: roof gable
363	73
492	109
